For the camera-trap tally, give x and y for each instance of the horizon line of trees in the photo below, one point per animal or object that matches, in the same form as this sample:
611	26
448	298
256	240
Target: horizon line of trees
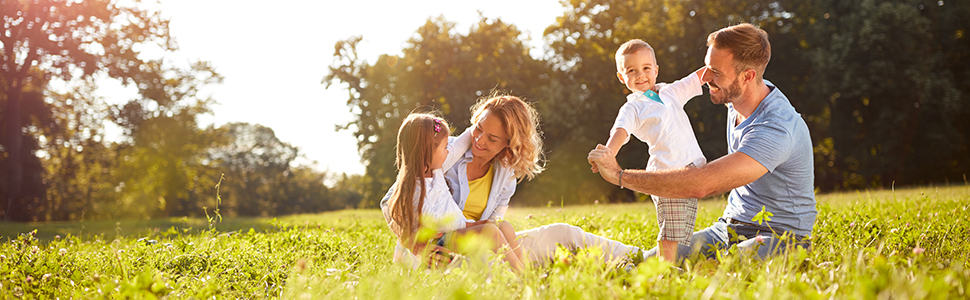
883	85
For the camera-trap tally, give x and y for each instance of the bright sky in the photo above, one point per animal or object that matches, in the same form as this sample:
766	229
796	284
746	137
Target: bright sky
274	55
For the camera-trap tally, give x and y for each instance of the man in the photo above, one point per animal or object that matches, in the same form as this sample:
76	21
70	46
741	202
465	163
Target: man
769	165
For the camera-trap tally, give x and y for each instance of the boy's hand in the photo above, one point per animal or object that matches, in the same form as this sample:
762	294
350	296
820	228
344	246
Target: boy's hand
603	159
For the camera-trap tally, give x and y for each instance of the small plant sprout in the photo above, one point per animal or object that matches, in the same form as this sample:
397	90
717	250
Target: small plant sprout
763	215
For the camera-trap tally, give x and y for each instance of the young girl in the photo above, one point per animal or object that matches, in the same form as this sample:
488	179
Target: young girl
420	196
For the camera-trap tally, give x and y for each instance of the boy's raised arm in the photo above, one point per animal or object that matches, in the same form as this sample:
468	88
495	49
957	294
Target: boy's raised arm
688	87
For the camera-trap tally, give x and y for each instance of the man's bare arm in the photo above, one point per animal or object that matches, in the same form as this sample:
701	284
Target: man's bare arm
718	176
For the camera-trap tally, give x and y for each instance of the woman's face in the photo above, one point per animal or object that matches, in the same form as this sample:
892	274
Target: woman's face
489	137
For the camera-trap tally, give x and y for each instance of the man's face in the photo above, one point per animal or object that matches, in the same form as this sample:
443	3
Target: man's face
638	71
721	77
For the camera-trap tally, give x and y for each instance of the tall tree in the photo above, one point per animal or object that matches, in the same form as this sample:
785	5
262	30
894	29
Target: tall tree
584	41
256	166
63	39
165	169
79	163
440	70
895	75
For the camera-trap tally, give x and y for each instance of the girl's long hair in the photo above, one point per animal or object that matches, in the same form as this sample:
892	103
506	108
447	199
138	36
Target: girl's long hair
417	139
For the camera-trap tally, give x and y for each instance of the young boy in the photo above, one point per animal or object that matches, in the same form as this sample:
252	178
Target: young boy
654	113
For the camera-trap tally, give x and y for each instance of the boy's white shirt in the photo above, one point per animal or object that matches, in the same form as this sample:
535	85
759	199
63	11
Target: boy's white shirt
439	206
664	126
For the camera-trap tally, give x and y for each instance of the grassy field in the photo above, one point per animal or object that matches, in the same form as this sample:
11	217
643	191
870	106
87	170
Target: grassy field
907	244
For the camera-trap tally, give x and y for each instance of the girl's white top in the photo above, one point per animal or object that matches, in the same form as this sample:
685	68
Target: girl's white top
439	206
664	126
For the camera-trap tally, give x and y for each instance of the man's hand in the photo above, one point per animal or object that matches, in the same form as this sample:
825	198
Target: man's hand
603	161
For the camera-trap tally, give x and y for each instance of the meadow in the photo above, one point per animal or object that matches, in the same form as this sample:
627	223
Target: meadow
908	243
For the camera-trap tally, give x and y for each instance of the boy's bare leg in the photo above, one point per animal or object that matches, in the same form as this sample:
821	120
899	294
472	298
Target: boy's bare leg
668	250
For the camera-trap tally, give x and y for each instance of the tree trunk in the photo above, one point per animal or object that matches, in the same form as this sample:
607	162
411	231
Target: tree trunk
14	148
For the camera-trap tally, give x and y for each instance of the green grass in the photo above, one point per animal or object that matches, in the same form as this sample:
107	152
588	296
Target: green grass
863	247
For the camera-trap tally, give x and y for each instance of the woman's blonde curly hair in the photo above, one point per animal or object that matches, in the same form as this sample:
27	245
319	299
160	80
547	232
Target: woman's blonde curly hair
521	122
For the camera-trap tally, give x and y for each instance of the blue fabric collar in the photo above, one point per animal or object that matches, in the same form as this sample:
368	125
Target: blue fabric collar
653	96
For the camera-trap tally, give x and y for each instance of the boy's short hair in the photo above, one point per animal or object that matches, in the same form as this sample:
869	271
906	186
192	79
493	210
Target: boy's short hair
748	44
630	47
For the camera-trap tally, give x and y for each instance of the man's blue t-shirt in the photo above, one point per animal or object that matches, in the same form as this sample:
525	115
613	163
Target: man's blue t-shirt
776	136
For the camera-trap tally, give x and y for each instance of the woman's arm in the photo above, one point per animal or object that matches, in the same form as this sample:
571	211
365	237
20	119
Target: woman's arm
505	194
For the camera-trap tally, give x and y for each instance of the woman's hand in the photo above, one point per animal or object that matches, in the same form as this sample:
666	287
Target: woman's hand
476	223
435	256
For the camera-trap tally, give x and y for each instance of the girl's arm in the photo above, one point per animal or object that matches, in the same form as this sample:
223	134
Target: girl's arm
386	209
457	148
440	208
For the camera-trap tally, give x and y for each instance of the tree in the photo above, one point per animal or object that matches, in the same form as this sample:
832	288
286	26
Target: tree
439	70
256	166
584	41
164	167
893	73
79	164
63	39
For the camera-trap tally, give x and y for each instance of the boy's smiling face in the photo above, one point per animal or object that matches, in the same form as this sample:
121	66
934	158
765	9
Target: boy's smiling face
638	71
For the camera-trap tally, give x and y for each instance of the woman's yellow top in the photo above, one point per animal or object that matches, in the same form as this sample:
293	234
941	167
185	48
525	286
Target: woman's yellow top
478	191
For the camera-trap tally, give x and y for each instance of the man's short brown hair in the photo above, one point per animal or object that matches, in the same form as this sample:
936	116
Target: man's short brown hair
630	47
748	43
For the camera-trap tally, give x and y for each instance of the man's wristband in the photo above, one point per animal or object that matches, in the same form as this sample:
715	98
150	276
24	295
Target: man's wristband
621	178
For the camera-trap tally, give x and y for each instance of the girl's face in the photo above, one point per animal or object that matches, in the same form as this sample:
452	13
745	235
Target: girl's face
440	151
489	137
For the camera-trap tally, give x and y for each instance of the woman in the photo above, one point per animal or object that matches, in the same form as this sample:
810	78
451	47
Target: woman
506	148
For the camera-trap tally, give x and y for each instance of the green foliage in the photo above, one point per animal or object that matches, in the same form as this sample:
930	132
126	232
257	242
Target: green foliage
165	165
62	40
871	244
440	70
881	84
80	168
894	90
762	216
